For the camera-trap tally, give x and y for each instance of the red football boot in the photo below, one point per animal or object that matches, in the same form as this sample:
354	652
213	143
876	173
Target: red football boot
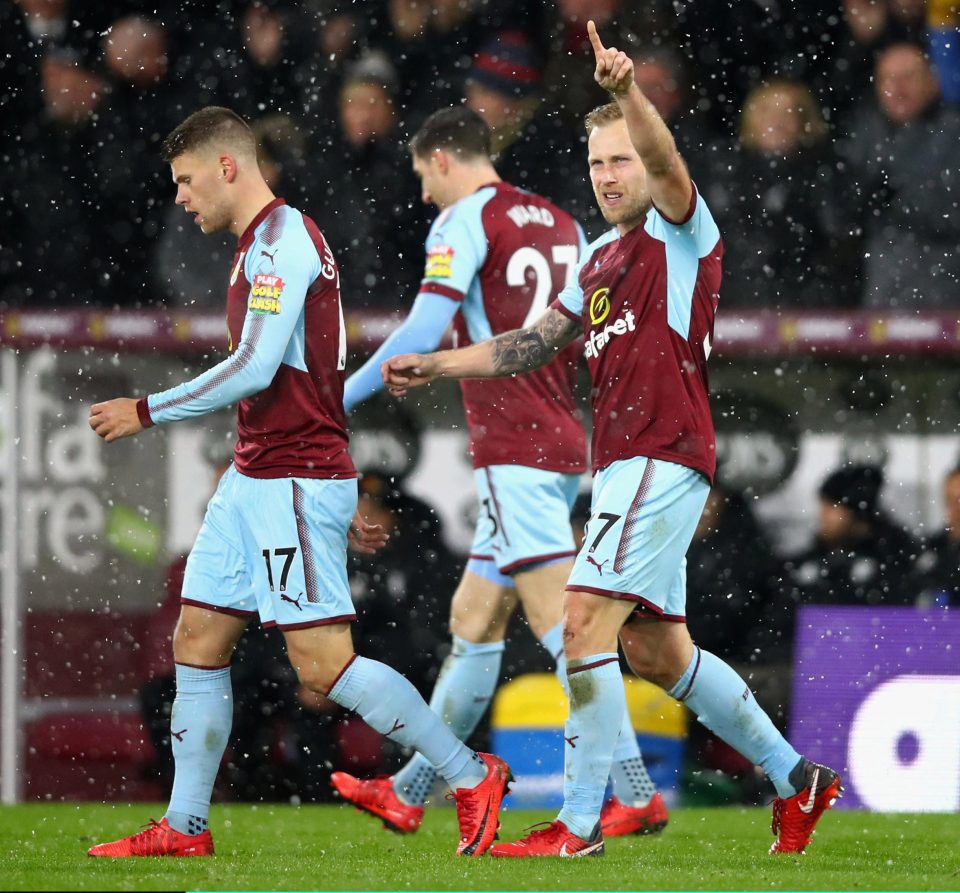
794	818
478	809
554	840
159	839
618	820
377	797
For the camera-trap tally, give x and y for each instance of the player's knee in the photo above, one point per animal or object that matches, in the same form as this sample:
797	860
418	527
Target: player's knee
584	629
646	665
317	673
201	646
478	622
660	659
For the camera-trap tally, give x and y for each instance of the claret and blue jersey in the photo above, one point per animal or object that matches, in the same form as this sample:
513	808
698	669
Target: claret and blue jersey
647	302
501	254
288	354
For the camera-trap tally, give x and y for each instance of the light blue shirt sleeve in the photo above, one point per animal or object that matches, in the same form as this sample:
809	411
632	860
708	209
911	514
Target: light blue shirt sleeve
685	243
420	332
699	233
581	241
274	316
571	296
456	247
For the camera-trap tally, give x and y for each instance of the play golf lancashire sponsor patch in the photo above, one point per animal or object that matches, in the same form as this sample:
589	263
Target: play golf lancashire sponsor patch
265	294
439	262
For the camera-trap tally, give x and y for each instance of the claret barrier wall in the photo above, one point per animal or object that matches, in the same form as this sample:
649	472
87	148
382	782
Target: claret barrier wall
89	530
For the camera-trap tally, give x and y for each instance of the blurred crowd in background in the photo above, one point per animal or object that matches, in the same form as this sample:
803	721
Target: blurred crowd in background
823	134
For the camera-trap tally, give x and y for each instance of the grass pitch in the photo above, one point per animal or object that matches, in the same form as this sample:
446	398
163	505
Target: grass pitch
277	847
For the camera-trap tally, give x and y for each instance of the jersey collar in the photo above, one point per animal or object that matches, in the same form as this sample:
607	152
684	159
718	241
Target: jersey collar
247	236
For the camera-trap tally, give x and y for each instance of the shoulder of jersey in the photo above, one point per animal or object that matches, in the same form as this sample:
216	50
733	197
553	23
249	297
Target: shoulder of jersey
286	223
467	204
609	236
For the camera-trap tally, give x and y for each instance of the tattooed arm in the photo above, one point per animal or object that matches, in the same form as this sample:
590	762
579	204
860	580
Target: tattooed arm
521	350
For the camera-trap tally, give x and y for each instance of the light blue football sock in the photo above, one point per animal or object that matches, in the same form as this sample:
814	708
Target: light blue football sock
460	697
724	703
200	724
597	705
631	783
389	703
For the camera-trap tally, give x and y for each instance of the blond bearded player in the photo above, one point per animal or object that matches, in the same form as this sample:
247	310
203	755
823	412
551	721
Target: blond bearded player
275	533
644	296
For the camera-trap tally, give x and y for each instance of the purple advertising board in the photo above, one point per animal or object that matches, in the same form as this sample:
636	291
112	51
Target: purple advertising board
876	695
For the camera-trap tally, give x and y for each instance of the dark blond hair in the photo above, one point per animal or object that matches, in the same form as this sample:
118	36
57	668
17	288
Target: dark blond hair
603	114
457	129
213	124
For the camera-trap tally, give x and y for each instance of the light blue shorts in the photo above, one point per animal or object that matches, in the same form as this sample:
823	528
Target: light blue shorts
642	520
523	519
277	547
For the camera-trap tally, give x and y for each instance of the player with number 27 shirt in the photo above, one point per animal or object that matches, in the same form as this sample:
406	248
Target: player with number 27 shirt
495	258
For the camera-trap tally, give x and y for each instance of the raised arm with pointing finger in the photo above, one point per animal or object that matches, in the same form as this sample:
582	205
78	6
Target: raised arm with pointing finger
667	178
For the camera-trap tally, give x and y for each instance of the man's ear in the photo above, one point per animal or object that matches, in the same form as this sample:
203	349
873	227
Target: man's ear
228	168
443	161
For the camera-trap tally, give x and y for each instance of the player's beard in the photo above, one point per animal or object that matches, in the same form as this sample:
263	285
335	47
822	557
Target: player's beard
628	214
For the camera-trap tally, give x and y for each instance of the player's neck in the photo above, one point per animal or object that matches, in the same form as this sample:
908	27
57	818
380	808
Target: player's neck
629	225
254	201
472	177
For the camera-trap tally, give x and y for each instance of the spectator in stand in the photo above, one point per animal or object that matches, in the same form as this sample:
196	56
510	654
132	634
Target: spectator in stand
902	150
143	106
374	217
943	27
33	27
780	199
395	591
533	145
731	570
48	183
869	26
338	35
936	575
431	43
268	62
859	556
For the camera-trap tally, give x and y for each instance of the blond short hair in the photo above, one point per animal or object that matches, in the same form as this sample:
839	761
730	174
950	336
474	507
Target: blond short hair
601	115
